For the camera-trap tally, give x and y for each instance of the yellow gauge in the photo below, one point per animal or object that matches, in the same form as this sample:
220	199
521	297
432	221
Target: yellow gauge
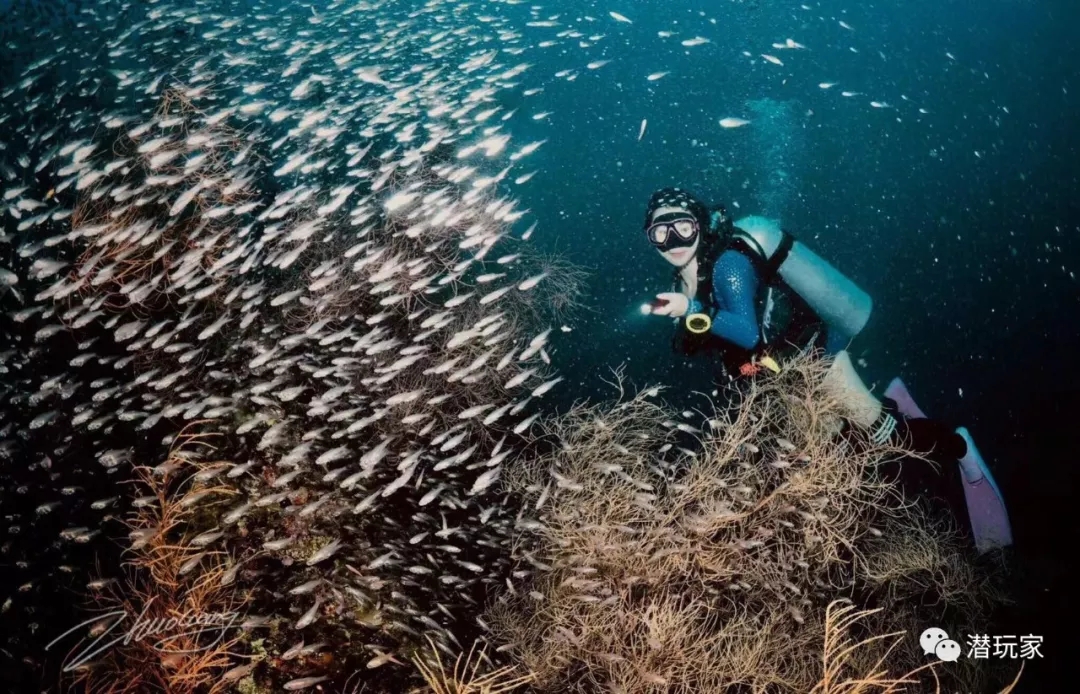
698	323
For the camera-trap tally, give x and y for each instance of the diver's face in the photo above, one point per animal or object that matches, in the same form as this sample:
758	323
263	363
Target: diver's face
674	233
680	256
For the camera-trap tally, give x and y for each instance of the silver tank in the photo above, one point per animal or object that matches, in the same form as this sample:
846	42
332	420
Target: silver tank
835	298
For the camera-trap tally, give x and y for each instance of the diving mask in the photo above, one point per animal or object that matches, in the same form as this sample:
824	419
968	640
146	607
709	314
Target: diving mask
672	231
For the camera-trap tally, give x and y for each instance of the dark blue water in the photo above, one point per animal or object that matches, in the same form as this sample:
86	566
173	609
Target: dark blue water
962	222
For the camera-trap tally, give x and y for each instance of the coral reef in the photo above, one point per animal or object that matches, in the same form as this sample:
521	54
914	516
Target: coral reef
168	622
657	555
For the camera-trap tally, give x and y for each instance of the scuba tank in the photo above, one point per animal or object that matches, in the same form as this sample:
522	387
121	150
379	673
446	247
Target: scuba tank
838	301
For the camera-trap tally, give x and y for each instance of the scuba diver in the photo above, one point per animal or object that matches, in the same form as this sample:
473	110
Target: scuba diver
748	293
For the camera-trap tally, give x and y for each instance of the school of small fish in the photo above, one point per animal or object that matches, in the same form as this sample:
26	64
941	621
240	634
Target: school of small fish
287	227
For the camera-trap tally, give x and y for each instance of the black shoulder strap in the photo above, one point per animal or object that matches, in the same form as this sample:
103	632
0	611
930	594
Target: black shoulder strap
767	269
772	266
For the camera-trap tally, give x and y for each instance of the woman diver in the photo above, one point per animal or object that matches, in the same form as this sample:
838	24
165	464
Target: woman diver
747	292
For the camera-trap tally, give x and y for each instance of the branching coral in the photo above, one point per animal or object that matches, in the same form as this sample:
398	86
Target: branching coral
553	291
469	675
842	671
175	582
664	556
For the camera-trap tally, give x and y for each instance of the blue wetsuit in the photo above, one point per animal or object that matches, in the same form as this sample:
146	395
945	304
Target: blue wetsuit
735	286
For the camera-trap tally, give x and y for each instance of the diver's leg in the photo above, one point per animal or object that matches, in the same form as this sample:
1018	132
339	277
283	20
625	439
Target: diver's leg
986	511
844	383
931	438
906	425
888	422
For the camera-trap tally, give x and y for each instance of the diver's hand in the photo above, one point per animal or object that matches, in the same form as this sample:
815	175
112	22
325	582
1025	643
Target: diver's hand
676	305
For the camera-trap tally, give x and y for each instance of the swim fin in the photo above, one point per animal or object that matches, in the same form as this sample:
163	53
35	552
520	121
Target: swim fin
898	393
985	504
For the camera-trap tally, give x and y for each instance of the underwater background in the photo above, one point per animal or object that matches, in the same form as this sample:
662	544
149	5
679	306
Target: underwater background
962	222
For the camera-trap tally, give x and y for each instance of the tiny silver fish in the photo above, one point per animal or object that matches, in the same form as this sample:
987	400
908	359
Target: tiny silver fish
304	683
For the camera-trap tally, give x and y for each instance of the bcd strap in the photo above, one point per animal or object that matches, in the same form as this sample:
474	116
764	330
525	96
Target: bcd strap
772	266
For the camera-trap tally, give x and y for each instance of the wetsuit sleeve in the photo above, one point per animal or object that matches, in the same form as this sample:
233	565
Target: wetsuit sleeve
735	285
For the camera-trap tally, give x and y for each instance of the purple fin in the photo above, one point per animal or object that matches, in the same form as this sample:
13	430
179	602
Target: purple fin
989	519
986	507
898	392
